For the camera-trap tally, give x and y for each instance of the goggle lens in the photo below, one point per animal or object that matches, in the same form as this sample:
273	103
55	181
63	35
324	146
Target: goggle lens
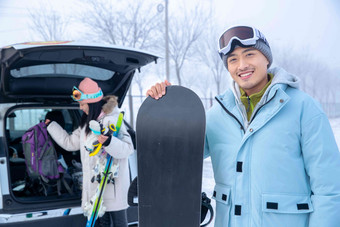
76	94
241	32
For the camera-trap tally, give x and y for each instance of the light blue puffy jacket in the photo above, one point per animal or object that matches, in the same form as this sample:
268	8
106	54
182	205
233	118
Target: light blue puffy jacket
282	168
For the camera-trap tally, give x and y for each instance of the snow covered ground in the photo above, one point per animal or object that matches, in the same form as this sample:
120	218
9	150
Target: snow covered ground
335	123
208	183
208	176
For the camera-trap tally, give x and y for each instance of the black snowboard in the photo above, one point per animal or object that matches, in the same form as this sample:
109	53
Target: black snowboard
170	144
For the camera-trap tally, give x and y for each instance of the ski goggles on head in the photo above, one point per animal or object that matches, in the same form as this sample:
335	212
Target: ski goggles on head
245	35
77	95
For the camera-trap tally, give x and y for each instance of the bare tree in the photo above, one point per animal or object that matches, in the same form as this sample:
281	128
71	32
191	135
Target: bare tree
129	23
199	84
48	24
312	73
183	33
208	56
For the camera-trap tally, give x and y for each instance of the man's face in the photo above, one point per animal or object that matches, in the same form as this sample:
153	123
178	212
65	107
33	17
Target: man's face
248	68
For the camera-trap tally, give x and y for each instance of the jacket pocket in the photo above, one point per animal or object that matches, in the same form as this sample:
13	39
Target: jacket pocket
285	210
222	196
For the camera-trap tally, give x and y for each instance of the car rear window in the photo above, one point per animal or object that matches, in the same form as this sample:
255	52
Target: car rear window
57	70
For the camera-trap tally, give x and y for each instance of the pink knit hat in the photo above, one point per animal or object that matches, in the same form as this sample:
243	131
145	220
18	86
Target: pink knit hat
90	87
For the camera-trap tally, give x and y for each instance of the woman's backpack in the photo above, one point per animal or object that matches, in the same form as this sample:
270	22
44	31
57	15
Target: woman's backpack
41	160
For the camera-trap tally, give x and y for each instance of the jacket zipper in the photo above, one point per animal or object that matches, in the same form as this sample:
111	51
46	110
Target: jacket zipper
251	120
248	104
230	114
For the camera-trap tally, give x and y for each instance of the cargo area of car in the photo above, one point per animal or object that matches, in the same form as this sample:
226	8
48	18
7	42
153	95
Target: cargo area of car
36	79
18	121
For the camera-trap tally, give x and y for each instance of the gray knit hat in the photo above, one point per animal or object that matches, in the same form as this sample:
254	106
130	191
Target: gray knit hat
243	36
265	50
260	45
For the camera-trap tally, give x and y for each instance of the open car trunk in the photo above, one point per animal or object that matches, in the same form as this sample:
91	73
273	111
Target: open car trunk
49	72
37	78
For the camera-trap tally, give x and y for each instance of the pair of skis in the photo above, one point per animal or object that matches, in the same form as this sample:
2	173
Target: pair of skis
98	202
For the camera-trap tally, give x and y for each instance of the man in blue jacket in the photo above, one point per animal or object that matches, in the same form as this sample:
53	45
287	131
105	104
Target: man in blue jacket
274	156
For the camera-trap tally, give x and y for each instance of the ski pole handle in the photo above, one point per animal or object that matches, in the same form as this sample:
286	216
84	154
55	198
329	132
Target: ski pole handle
112	129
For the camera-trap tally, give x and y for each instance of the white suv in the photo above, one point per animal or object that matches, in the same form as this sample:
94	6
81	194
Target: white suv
37	78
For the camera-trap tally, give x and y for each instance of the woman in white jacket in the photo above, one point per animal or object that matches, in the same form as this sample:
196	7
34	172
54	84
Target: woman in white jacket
105	110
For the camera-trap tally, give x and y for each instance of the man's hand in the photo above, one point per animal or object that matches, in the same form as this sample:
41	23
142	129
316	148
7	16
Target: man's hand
158	90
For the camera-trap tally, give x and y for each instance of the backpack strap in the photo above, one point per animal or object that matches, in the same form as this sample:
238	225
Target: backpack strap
43	149
43	179
59	187
47	140
44	188
66	184
60	181
132	193
206	206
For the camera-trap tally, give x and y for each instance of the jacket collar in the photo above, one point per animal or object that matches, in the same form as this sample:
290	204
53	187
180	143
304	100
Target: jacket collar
281	77
231	98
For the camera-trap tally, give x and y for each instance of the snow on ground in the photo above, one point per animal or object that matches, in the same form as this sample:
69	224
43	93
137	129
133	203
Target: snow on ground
335	123
208	176
208	184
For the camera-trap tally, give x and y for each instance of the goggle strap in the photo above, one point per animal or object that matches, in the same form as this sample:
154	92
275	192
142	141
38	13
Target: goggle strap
87	96
93	96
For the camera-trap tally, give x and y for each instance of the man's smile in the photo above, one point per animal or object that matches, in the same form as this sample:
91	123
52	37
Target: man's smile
245	75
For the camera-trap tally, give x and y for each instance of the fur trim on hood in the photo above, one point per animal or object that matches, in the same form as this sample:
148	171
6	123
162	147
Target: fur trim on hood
111	103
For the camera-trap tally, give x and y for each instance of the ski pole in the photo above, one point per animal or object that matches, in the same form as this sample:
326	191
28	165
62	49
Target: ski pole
101	187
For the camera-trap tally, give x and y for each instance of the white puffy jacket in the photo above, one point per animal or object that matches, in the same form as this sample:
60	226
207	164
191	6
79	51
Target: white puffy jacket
115	196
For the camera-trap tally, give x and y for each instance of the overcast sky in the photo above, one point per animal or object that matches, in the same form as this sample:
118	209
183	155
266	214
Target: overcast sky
312	25
306	25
